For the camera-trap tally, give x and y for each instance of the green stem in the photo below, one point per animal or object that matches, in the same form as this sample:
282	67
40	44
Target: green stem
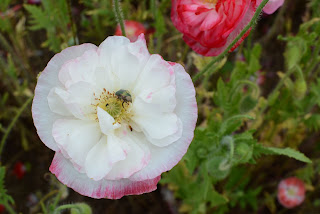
13	122
279	85
73	24
63	207
219	57
246	82
119	15
9	208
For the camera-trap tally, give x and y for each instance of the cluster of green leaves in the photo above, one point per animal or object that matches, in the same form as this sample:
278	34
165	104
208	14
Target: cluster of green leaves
53	17
210	178
5	199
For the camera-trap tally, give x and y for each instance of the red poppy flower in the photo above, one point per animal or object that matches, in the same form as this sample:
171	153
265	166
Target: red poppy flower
291	192
19	170
209	26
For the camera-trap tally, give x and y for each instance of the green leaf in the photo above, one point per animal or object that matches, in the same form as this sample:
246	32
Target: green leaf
82	208
39	19
4	197
232	124
260	149
216	199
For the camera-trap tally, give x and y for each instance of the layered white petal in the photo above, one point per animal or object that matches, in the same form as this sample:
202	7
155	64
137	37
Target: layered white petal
156	74
56	101
76	137
169	139
152	121
42	116
138	157
101	158
187	112
80	69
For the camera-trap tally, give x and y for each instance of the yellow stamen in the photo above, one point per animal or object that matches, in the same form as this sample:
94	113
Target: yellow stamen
117	108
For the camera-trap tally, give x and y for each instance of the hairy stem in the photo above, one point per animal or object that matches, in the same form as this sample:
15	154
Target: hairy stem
119	15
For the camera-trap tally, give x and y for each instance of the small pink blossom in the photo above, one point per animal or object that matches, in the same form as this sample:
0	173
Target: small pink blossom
291	192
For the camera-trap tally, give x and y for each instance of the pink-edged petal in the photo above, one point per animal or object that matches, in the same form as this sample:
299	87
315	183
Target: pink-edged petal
140	50
66	174
187	111
101	158
106	121
43	117
137	158
56	102
76	137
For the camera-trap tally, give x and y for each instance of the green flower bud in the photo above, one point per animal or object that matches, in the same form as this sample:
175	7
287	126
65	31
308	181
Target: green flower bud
299	89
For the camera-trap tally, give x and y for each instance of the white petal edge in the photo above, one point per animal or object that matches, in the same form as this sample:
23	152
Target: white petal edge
43	117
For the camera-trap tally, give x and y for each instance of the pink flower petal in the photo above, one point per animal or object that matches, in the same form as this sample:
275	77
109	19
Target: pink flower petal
66	174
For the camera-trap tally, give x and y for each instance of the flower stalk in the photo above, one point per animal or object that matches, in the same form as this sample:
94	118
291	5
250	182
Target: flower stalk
13	122
119	15
220	57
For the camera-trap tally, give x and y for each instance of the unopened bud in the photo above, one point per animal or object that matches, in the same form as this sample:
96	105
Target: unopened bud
299	89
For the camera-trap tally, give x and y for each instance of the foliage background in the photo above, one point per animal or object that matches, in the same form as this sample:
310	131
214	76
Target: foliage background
228	168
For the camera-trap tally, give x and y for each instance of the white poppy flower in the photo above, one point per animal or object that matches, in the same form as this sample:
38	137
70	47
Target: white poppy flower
116	116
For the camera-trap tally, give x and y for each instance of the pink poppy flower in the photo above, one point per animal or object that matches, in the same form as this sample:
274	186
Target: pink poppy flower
271	6
133	30
291	192
209	26
116	116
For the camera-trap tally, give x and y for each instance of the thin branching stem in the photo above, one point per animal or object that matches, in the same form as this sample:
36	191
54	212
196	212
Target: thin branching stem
220	57
13	122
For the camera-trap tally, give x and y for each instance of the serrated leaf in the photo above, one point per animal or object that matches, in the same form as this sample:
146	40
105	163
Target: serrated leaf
260	149
39	19
216	199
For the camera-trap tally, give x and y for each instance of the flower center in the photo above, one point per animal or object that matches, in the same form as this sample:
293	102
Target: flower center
292	191
117	104
210	3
